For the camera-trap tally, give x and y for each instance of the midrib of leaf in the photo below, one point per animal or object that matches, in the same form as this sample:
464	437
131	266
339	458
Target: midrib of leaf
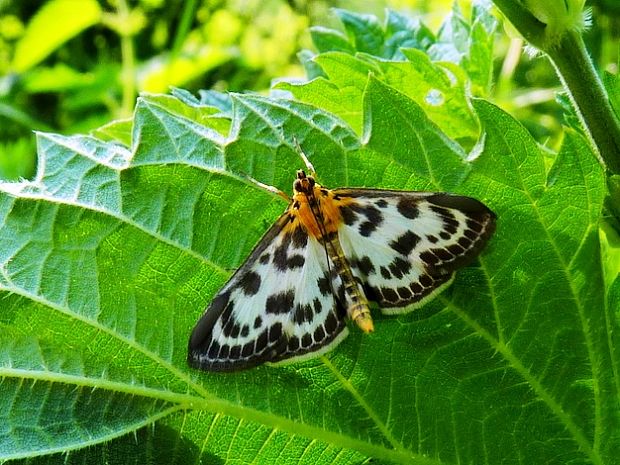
100	383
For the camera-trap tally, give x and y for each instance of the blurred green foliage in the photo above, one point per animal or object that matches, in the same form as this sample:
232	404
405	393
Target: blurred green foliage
71	66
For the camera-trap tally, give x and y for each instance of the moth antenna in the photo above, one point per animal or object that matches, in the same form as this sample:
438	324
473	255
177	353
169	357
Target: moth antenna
304	157
267	187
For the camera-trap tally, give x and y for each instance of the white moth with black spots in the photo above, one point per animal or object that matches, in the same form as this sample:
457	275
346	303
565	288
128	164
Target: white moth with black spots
323	260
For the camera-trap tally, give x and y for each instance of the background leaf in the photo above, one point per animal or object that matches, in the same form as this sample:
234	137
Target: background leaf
53	25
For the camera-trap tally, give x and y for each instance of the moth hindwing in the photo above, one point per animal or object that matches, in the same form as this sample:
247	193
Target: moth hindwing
325	258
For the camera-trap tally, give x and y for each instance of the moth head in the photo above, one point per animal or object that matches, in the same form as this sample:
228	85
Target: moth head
303	184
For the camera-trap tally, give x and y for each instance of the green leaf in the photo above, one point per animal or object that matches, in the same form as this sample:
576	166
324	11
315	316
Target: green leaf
364	31
53	24
403	32
439	90
110	255
328	40
118	130
468	44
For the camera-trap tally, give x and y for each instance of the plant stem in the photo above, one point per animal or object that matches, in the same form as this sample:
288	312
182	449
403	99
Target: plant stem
525	22
586	91
579	78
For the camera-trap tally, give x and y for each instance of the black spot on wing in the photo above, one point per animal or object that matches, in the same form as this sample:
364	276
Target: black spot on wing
319	334
408	207
264	259
385	273
300	238
443	255
455	249
364	265
280	303
404	293
373	214
281	259
275	332
426	281
351	213
389	295
367	228
450	223
399	267
250	283
324	283
381	203
262	340
214	350
469	234
296	261
474	225
303	313
405	243
248	349
331	322
293	344
224	351
464	242
348	215
231	329
235	352
429	258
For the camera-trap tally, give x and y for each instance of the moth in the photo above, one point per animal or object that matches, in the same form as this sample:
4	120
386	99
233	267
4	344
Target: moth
324	259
